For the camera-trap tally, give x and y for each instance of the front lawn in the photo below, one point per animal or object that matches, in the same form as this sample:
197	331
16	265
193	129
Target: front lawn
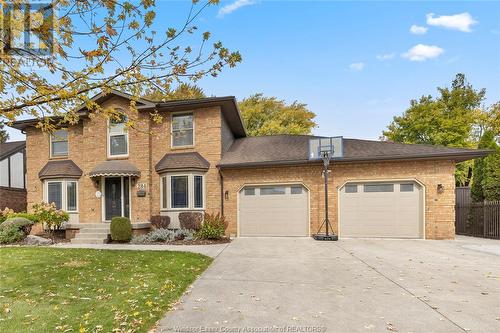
82	290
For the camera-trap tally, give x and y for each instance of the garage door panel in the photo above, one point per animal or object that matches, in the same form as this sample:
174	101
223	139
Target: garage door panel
274	214
381	214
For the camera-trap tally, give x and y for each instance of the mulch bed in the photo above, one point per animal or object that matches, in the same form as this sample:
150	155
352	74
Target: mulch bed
199	241
57	236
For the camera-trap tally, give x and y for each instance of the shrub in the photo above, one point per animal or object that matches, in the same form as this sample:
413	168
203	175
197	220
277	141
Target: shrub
160	222
51	217
163	235
32	217
19	223
121	229
186	234
10	234
190	220
213	227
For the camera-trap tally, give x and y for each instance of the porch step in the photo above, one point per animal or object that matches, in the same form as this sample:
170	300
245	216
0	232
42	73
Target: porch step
92	233
87	241
94	225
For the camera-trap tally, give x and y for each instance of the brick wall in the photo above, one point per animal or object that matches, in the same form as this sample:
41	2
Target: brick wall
148	143
12	198
207	126
439	208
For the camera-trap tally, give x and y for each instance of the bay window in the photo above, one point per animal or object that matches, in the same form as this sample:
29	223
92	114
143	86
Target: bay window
117	137
179	191
63	193
182	191
182	130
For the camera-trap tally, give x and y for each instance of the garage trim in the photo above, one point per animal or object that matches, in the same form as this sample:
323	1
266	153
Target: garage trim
273	184
379	181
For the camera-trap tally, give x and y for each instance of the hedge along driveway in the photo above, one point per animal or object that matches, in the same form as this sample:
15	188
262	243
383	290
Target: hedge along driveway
84	290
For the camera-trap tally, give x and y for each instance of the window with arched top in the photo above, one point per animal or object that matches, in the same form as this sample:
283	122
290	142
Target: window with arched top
118	137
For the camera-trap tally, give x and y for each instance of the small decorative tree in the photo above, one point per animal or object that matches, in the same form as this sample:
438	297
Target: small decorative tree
50	217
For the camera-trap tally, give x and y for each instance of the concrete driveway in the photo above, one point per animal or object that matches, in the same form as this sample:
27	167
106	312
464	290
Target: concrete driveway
301	285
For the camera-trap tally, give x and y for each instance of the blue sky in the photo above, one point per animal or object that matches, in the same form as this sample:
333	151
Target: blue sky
356	64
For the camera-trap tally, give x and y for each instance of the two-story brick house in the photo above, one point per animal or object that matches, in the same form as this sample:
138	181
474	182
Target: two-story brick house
200	159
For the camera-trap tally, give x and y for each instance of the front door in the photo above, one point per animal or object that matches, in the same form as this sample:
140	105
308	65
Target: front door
116	197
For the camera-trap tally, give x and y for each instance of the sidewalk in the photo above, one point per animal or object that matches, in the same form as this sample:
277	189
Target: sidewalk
208	250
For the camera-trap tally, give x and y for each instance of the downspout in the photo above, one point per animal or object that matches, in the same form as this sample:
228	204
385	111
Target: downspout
150	176
221	191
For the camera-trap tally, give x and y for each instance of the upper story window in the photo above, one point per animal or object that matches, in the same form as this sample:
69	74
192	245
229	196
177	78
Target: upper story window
59	143
118	137
182	130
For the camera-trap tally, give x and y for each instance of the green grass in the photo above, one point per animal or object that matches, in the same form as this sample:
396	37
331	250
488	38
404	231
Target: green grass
81	290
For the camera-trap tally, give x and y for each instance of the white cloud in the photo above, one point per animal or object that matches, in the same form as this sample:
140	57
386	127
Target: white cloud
357	66
462	22
421	52
387	56
418	30
228	9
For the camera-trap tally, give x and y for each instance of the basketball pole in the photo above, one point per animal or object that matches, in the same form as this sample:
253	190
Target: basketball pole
326	237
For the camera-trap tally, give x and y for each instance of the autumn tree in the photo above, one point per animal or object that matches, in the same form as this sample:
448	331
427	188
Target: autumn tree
450	119
270	115
96	46
4	136
182	91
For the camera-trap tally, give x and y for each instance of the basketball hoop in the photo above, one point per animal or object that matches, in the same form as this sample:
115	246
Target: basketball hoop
325	152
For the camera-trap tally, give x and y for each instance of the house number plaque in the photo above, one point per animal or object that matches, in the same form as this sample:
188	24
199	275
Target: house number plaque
141	189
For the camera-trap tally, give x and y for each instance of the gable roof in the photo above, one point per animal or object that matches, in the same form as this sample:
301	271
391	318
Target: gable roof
63	168
9	148
103	96
294	149
176	161
227	104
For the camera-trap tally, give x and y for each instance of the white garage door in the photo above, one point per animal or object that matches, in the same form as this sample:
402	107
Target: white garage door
389	209
280	210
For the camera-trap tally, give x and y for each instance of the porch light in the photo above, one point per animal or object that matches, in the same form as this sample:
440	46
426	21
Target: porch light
440	188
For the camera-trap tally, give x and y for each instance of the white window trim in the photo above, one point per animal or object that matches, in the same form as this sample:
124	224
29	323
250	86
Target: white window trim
108	134
180	113
191	194
50	144
64	193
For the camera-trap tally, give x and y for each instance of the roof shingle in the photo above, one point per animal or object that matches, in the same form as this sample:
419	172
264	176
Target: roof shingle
8	148
294	149
64	168
193	161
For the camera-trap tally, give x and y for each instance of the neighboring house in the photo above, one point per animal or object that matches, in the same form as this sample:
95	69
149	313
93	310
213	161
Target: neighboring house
200	159
12	175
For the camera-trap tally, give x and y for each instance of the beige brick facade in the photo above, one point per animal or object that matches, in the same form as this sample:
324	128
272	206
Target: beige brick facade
88	147
149	142
439	207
